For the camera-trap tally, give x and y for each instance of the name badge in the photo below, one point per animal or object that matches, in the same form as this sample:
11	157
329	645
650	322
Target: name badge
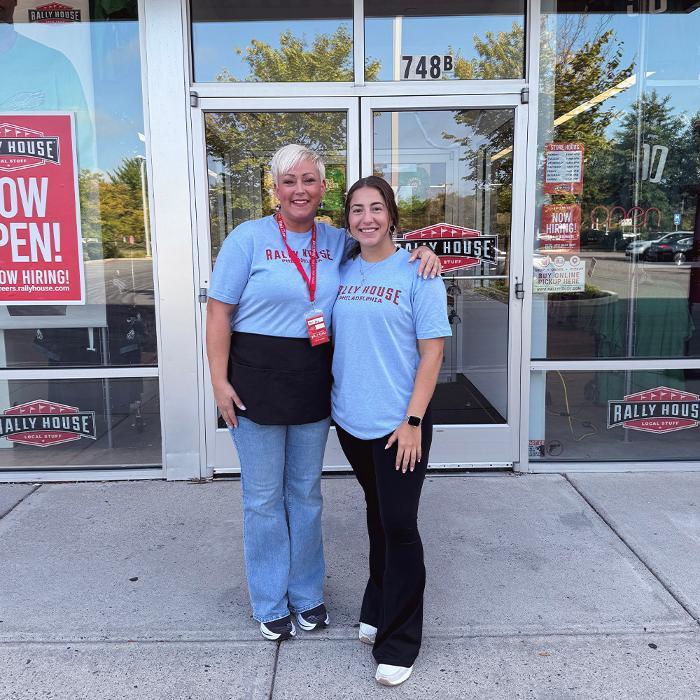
316	328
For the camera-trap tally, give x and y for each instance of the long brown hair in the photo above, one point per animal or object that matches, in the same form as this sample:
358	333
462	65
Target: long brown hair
384	189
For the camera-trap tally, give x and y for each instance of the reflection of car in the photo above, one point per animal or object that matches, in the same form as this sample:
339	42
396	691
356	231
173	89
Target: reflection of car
664	248
601	240
683	251
640	249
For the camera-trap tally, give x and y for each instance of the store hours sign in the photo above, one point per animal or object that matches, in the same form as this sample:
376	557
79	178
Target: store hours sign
41	255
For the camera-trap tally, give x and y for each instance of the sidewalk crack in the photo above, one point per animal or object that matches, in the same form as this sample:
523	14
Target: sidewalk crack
21	500
274	672
666	585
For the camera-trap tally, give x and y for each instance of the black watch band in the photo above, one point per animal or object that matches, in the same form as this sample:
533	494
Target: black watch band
415	421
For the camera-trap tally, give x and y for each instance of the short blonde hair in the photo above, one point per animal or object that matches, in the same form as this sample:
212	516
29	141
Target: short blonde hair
290	156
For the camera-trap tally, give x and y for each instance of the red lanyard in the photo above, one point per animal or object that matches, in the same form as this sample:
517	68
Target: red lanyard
311	283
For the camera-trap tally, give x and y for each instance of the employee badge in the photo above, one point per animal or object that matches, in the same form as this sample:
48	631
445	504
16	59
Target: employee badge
316	328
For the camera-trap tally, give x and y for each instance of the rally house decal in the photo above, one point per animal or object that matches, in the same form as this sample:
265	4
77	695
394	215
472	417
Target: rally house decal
22	148
44	423
660	410
53	13
457	247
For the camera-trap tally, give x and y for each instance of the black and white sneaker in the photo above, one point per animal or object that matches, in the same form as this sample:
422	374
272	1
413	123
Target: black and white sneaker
314	619
278	630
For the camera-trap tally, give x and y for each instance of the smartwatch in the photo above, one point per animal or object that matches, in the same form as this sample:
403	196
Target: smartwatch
415	421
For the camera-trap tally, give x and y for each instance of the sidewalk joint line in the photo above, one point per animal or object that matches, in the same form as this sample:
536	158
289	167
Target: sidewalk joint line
274	671
691	630
657	575
21	500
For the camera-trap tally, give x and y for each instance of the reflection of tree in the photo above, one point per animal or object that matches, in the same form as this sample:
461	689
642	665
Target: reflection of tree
625	181
240	144
328	59
112	211
500	56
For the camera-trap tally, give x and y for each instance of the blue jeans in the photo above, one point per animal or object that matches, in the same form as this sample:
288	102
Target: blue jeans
281	485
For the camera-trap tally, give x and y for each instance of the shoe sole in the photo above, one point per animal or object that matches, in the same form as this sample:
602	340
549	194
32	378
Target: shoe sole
383	680
311	626
274	637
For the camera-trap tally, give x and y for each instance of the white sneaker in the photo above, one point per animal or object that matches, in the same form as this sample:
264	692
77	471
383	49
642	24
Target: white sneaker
367	633
392	675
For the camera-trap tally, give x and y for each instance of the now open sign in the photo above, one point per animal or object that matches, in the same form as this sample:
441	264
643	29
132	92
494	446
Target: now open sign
41	256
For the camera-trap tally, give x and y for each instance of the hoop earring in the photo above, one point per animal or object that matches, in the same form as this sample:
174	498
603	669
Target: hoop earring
392	230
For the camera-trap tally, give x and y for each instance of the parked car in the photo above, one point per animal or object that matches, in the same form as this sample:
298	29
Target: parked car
641	249
663	249
683	251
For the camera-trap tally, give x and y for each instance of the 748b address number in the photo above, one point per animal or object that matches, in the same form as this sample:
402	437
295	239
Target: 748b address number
426	67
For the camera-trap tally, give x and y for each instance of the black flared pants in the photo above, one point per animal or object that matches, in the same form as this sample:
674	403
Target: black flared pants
393	599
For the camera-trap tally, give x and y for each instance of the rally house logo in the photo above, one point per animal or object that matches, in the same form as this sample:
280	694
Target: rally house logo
22	148
660	410
54	12
458	247
44	423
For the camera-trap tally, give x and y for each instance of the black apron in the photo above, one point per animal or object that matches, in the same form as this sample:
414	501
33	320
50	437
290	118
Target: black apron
281	381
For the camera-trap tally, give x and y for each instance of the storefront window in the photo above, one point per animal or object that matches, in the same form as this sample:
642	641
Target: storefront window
76	269
446	40
616	272
268	41
80	423
650	415
83	63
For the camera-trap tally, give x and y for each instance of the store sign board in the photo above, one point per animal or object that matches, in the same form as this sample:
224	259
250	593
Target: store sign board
559	274
563	168
54	13
45	423
659	410
41	250
561	228
457	247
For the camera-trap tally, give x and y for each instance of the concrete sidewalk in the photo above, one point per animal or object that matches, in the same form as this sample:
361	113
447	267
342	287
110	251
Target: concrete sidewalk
586	586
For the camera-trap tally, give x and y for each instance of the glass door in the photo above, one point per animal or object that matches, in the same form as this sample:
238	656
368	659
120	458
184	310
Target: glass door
233	144
456	166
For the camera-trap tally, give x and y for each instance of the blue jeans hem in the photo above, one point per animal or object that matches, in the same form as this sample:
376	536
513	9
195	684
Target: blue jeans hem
305	608
270	618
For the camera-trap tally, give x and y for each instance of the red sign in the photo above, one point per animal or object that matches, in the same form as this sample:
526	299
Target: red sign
563	168
43	423
659	410
561	228
458	247
41	250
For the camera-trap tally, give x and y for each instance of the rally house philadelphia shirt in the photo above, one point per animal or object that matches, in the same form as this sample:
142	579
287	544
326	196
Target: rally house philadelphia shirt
254	271
376	326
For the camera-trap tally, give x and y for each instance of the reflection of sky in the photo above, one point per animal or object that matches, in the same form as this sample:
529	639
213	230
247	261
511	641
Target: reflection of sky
106	56
215	43
672	53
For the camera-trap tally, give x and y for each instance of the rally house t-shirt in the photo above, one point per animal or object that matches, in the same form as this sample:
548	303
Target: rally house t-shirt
376	325
254	270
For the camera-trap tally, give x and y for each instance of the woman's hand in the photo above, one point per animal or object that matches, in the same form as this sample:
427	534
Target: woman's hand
408	453
225	396
430	265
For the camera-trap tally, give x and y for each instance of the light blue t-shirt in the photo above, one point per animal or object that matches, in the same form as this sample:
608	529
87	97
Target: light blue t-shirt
376	325
254	271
